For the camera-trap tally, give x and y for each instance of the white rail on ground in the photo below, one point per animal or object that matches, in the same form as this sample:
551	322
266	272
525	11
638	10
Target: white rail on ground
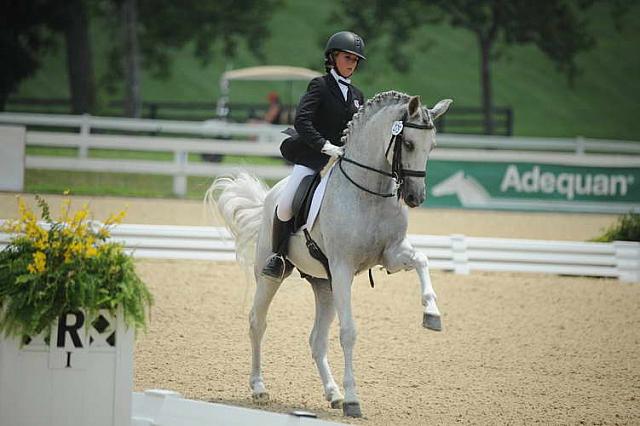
168	408
457	253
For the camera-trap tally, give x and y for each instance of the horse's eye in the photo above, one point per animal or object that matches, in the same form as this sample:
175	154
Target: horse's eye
409	145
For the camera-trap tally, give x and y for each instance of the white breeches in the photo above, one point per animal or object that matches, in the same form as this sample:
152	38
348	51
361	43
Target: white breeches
285	200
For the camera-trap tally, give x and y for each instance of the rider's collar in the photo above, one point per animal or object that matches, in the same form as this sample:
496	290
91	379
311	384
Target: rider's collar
339	78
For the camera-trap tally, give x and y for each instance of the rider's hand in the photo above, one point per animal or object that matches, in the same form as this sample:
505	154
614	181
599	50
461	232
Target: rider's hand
332	150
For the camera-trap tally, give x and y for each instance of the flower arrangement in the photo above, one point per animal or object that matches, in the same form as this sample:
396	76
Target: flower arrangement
65	265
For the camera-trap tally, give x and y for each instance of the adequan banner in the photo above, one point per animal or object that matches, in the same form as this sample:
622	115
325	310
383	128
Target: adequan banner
532	186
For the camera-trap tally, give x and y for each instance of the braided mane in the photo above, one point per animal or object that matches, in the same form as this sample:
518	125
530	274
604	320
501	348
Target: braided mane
370	107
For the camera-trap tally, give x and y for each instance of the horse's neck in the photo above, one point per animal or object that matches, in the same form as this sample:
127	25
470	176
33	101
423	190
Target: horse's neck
367	146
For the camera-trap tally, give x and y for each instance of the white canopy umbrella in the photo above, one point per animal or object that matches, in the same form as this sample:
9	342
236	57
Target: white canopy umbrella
269	72
262	73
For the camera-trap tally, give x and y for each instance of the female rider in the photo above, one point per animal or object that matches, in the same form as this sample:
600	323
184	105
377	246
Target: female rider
322	114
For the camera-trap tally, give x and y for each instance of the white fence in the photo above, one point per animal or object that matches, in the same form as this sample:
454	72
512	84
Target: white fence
211	137
455	253
86	124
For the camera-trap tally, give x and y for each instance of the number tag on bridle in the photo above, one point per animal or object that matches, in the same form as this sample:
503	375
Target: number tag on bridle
396	128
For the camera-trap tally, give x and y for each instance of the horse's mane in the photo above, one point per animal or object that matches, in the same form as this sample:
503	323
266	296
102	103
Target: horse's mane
372	106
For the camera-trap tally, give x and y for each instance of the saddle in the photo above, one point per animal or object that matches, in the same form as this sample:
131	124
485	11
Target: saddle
302	200
301	206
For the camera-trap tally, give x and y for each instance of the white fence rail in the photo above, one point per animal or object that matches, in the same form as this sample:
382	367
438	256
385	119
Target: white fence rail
455	253
86	124
208	137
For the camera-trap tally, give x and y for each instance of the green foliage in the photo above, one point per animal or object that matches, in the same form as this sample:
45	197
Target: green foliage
444	63
166	26
627	228
24	36
69	265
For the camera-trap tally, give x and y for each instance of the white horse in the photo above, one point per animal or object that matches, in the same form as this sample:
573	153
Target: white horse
362	223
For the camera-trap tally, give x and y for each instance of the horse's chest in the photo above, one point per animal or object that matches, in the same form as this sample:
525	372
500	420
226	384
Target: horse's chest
370	243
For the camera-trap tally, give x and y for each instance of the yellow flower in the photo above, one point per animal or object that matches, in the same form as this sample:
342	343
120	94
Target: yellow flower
39	263
77	247
11	227
104	232
80	215
64	210
42	242
115	218
90	251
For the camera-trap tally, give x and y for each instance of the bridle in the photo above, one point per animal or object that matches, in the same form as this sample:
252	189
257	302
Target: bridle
398	173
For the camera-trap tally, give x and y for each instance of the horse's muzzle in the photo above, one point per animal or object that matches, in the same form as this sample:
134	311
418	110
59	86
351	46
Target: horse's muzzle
413	200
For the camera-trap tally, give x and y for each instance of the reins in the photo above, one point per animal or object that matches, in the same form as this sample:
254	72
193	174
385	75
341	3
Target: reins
398	173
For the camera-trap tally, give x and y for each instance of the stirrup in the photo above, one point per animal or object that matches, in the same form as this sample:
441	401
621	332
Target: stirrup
275	267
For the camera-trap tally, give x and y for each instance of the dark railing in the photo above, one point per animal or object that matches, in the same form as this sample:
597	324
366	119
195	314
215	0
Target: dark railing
460	119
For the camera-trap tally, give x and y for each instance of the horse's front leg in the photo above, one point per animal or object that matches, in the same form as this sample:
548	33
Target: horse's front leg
404	256
341	284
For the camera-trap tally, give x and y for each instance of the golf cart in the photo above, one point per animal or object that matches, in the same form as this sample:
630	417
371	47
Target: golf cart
275	73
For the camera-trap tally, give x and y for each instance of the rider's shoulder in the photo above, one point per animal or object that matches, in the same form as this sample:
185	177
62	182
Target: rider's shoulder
319	82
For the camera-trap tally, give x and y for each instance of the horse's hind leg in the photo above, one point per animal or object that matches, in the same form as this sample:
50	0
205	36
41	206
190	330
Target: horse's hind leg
265	290
319	339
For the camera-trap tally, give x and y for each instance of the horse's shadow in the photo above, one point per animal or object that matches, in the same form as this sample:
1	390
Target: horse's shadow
276	406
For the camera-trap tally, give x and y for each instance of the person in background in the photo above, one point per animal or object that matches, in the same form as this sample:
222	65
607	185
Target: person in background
322	114
274	112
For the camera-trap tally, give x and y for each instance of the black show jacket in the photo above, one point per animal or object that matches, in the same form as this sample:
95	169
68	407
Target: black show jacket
321	116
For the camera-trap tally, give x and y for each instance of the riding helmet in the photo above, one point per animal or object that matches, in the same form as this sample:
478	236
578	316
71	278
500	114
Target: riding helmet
345	41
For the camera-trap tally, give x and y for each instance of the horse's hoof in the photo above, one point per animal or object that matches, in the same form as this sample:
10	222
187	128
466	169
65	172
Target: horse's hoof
337	403
351	409
432	322
260	397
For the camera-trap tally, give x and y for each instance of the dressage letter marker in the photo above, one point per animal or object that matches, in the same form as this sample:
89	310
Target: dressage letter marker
68	346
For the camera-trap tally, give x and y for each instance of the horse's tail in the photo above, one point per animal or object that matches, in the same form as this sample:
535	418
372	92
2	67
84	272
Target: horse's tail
240	202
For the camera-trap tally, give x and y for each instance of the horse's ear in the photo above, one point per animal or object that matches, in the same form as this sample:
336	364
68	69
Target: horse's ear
414	105
441	108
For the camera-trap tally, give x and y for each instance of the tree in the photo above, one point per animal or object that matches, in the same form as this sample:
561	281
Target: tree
27	31
24	37
166	26
74	24
556	27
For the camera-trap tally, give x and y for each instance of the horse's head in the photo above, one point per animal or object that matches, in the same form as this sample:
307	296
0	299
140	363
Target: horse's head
415	139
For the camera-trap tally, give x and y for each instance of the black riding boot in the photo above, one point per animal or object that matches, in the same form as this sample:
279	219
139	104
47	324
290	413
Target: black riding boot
277	264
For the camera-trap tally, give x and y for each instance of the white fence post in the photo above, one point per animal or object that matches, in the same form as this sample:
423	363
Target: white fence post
579	145
12	158
628	260
180	178
85	131
460	258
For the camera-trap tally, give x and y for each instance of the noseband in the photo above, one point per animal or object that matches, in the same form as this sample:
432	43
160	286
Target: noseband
398	173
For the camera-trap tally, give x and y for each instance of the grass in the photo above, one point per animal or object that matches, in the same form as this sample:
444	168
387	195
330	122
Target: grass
123	184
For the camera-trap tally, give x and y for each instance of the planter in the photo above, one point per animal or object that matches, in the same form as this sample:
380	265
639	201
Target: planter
81	375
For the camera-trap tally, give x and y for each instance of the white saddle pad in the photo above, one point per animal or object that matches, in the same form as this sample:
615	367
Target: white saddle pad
317	201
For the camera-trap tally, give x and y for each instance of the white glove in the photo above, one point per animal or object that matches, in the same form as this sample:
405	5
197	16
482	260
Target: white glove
332	150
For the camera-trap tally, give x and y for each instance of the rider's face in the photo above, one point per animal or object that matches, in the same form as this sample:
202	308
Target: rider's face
346	63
